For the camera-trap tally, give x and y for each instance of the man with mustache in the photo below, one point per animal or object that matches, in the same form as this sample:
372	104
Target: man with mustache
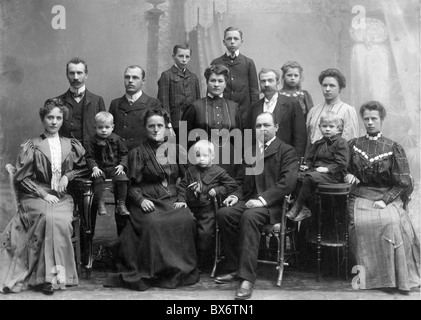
129	110
256	202
287	111
82	104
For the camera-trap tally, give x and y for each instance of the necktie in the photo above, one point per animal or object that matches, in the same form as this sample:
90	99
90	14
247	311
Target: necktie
78	95
131	101
263	148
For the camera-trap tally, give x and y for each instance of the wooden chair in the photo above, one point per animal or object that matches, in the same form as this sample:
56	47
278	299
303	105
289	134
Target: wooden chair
283	231
85	194
279	231
11	170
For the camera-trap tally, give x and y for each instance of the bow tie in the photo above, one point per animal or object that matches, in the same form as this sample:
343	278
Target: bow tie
78	95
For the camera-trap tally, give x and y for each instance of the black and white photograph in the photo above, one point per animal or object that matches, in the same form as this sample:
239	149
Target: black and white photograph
216	156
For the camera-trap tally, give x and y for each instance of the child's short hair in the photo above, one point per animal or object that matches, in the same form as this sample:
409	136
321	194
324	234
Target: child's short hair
104	116
233	29
184	46
204	144
331	117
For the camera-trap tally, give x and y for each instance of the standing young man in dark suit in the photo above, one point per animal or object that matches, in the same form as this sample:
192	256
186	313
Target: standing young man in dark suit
82	104
242	85
287	111
256	203
130	109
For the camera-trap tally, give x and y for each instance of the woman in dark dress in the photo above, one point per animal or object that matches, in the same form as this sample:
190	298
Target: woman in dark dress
36	247
382	238
157	245
215	113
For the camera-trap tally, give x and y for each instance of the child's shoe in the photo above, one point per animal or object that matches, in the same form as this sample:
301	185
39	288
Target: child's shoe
294	211
304	214
102	210
122	209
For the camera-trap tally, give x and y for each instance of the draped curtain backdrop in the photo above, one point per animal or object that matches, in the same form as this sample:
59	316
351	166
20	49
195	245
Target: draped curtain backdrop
204	32
383	60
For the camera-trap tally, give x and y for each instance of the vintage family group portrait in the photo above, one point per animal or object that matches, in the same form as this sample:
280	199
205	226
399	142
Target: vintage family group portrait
207	138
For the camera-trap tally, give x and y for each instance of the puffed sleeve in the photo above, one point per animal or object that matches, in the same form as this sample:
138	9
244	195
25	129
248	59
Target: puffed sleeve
77	165
351	125
400	174
25	175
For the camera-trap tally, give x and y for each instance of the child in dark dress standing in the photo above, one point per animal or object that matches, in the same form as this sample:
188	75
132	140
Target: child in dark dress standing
292	78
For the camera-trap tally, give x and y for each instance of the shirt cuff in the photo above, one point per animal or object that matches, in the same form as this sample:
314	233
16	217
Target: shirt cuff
232	196
263	201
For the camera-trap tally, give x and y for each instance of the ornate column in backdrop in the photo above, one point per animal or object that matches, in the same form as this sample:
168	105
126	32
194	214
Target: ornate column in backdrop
152	62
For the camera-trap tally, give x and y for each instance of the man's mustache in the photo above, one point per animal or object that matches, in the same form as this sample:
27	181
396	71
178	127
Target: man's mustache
269	89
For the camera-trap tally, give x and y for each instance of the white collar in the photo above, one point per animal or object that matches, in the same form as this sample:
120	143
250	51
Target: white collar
81	89
229	54
261	144
274	98
210	95
182	70
134	97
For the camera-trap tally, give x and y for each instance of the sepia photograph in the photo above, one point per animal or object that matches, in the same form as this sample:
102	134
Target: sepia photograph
216	156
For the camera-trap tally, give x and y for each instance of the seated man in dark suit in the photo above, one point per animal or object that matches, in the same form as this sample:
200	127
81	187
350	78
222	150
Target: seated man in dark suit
82	104
287	111
256	203
130	109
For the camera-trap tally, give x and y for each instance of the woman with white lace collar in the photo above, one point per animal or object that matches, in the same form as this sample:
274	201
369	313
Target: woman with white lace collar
36	248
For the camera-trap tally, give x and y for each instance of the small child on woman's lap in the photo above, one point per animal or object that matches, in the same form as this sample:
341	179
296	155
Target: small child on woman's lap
200	185
106	156
327	162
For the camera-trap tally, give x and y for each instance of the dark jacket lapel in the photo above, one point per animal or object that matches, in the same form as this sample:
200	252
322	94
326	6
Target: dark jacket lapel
273	148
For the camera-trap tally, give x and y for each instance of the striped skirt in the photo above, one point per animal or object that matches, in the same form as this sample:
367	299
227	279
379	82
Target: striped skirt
383	242
36	246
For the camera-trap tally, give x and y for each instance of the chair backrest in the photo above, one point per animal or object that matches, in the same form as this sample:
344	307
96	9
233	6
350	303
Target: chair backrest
11	170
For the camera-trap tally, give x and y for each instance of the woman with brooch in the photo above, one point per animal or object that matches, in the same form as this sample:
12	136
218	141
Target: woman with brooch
382	238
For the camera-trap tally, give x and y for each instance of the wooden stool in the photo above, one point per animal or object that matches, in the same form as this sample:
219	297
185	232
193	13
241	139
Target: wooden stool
340	239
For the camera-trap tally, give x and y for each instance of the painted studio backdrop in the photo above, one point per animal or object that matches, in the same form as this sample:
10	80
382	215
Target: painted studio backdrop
376	44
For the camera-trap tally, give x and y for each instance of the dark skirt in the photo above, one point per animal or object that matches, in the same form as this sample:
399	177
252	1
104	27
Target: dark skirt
156	249
383	242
